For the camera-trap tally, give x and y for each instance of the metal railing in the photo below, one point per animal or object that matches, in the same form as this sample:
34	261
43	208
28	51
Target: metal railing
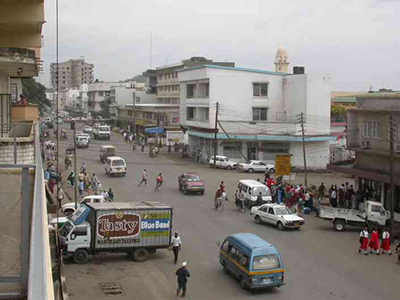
18	133
40	270
33	277
5	114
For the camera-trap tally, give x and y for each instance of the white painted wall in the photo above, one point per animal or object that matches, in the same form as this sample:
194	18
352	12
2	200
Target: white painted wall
317	155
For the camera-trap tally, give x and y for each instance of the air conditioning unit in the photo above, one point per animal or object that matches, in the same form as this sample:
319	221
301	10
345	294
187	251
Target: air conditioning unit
365	144
397	148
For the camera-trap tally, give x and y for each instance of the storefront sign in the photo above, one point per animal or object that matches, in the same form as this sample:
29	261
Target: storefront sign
283	165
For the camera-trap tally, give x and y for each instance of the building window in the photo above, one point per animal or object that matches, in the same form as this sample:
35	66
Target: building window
370	129
260	114
191	90
191	113
101	94
203	114
260	89
233	150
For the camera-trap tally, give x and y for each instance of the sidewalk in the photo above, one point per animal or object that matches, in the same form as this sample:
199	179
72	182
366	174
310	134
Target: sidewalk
137	281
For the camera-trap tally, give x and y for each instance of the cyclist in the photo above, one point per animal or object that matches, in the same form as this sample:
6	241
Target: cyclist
222	190
159	182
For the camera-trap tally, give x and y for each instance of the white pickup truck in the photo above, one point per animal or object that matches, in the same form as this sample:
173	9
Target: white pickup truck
69	208
373	214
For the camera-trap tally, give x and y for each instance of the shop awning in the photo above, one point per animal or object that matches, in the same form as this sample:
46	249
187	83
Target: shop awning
154	130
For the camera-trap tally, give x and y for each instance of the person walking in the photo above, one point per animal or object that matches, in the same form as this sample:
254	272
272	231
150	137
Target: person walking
81	187
385	244
176	245
374	242
144	178
183	275
364	240
60	196
110	195
83	168
95	184
159	182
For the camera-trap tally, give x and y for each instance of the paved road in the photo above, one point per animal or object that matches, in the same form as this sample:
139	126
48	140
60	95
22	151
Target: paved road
319	262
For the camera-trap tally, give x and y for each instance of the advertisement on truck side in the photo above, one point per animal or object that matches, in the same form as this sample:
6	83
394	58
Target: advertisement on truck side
149	227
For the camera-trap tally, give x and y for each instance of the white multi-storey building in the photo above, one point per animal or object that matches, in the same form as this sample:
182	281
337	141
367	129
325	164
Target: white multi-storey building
99	92
259	113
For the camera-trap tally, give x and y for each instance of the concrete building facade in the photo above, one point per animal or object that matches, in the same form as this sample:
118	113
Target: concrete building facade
259	110
71	74
168	86
368	129
99	92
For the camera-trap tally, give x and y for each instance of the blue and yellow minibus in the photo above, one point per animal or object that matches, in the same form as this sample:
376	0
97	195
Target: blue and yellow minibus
253	261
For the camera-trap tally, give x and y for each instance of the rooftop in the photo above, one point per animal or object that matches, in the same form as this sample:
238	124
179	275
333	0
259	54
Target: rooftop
235	69
378	95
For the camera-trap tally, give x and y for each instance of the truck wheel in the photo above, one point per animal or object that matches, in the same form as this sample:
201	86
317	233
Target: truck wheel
81	256
140	255
339	225
229	168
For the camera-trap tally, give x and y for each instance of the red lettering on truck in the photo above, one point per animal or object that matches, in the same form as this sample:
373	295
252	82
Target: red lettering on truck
118	225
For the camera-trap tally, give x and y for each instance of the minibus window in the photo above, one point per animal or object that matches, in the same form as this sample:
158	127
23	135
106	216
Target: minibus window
266	262
118	163
226	246
242	259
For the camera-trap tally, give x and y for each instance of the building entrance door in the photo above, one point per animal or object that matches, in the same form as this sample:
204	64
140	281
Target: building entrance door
252	153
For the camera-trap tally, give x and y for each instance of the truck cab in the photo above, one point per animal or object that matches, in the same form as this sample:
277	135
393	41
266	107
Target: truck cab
76	239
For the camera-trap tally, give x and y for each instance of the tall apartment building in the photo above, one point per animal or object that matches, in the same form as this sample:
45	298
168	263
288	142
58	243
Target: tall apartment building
168	87
71	74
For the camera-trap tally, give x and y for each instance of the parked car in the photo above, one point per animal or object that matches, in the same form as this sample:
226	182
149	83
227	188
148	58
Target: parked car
87	129
223	162
278	215
256	166
191	182
69	208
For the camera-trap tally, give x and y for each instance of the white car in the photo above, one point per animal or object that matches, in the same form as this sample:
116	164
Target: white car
88	129
256	166
85	135
276	214
69	208
223	162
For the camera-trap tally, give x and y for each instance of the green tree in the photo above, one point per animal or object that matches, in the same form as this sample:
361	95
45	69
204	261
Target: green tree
338	112
105	108
35	92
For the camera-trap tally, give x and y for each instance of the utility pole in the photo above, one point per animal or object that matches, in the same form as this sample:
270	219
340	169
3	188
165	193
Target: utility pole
391	145
304	149
215	135
134	116
75	177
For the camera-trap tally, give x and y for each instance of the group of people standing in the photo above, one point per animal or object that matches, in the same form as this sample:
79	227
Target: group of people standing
343	196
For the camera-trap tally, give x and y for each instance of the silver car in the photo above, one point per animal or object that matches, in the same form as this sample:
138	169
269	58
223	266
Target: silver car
256	166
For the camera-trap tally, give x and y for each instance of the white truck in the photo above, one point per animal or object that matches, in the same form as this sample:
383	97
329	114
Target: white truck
102	132
134	228
373	214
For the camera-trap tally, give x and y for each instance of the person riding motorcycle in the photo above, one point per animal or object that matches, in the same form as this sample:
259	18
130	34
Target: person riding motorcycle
222	188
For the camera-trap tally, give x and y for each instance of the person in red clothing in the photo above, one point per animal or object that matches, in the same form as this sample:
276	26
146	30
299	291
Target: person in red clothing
270	182
374	242
364	241
385	245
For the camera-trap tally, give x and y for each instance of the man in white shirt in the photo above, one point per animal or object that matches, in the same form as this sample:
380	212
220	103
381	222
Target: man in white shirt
176	245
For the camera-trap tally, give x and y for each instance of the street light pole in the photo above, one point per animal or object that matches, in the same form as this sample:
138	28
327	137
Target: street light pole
134	115
75	181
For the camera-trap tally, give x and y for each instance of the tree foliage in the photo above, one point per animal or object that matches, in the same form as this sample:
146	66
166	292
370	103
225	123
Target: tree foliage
35	92
338	112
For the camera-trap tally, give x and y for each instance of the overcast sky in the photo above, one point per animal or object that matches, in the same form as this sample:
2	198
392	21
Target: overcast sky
357	42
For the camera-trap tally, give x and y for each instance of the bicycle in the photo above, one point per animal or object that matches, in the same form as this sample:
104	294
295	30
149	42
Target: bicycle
219	204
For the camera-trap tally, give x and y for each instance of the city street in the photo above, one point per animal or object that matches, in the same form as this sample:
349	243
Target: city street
320	263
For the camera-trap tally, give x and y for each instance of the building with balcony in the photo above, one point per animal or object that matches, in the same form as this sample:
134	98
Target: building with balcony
259	113
25	256
71	74
168	87
99	92
368	136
